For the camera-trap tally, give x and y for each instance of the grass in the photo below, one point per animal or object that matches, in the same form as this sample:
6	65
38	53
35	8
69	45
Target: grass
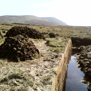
39	84
17	71
46	59
39	40
51	43
12	89
22	89
22	80
30	83
36	56
54	71
2	40
63	31
56	49
53	57
47	78
55	45
62	43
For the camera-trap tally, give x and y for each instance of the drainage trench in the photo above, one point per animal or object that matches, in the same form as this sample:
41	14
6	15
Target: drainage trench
74	77
79	67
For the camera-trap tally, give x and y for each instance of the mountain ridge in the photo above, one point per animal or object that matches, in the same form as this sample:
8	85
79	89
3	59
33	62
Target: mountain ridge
30	19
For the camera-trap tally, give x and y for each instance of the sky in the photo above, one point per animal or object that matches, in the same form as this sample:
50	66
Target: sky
72	12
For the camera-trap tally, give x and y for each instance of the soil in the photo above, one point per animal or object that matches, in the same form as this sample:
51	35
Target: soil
37	74
77	41
83	54
25	31
18	48
31	75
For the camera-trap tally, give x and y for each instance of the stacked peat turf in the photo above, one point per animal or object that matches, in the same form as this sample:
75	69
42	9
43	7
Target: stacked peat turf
31	33
18	48
53	35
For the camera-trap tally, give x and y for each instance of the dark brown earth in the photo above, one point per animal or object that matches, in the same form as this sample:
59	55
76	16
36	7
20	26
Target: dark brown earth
52	35
29	32
33	75
82	48
84	60
18	48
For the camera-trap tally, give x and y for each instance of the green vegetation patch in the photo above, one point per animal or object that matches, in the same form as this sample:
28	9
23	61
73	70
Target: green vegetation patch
47	78
57	44
54	71
36	56
56	49
2	40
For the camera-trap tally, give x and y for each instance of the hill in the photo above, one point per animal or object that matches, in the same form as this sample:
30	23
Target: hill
31	20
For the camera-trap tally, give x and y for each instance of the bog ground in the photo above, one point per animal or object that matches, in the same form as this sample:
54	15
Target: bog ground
37	73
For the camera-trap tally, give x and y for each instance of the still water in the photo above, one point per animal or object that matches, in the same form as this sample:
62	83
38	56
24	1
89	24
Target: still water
74	77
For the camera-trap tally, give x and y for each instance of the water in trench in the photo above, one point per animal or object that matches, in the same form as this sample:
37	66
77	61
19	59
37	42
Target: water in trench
74	77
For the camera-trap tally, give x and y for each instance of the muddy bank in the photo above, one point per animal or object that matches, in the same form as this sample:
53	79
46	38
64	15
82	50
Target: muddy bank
84	60
59	81
82	48
76	41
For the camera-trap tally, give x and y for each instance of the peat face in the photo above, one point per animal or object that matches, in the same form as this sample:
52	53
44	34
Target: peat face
80	41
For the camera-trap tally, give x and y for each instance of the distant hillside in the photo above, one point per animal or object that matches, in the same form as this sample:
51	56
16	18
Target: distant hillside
31	20
55	21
